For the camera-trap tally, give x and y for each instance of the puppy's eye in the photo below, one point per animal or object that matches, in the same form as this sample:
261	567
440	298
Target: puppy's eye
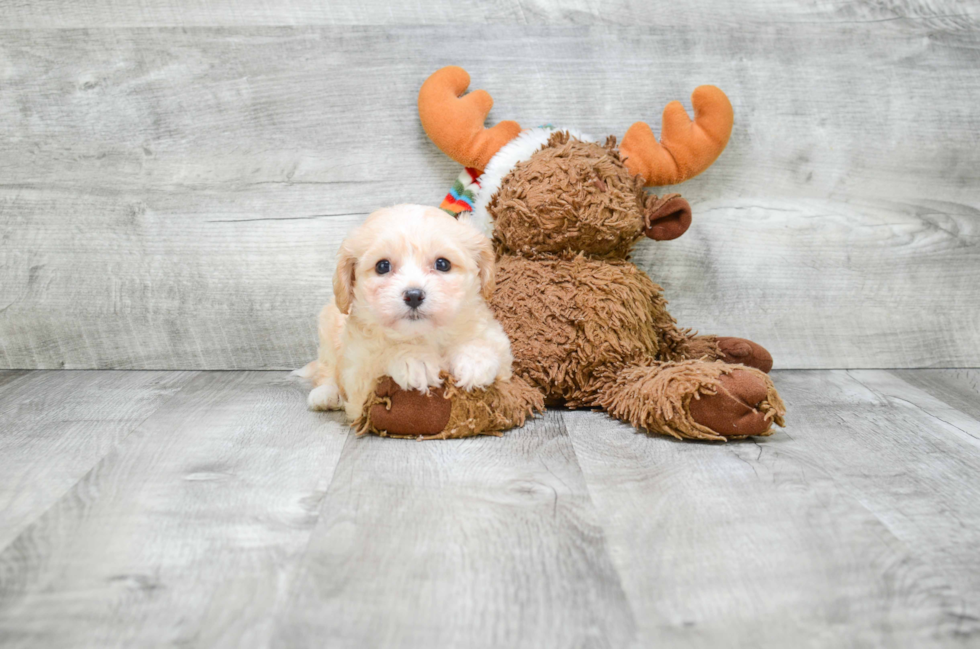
442	264
382	267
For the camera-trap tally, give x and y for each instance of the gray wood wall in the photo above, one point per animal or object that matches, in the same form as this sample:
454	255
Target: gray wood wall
175	175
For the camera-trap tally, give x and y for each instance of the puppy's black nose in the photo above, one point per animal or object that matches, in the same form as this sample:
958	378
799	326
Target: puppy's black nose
414	297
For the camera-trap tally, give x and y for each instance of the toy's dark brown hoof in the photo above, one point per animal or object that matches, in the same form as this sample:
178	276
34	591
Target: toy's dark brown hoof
739	351
412	413
667	218
733	411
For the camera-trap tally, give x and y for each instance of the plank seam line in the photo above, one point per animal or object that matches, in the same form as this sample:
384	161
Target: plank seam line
605	532
301	560
927	413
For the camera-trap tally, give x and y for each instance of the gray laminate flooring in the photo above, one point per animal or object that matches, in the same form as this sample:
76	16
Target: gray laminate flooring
212	509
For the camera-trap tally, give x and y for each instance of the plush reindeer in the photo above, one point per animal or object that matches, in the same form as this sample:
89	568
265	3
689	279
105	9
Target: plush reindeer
587	327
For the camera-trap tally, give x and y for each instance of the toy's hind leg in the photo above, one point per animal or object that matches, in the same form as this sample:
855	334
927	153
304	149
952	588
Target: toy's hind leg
692	399
737	351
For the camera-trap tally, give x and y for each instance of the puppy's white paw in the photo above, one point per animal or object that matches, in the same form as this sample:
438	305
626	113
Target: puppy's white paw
474	367
324	397
415	373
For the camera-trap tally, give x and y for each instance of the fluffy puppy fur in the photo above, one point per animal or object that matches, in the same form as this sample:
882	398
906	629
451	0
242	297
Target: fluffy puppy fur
377	326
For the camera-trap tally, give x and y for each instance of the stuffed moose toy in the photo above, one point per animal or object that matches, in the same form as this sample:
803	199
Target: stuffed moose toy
588	329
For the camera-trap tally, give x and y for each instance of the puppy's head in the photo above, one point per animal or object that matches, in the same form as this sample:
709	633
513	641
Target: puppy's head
411	268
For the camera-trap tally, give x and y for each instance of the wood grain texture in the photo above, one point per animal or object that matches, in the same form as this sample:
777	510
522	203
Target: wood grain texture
960	389
55	426
488	542
187	533
855	526
243	13
172	198
8	376
195	13
931	447
232	516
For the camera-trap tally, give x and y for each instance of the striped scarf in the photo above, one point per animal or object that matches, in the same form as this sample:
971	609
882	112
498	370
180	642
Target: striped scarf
461	197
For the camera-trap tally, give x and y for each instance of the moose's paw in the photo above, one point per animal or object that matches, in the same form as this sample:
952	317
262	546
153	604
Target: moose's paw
741	405
409	413
739	351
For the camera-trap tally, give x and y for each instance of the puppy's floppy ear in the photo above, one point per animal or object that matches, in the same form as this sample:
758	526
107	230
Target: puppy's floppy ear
482	251
343	278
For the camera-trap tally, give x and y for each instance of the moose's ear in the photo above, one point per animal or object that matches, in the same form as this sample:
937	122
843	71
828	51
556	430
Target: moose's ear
667	218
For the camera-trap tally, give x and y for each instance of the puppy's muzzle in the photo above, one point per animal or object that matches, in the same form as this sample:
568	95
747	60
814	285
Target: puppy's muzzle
414	297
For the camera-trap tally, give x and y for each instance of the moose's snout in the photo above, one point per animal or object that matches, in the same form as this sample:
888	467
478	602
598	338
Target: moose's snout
413	297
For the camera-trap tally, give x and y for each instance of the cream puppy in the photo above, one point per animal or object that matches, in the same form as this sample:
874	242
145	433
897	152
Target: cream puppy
409	302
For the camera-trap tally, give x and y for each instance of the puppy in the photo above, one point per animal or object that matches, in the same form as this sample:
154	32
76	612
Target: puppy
409	302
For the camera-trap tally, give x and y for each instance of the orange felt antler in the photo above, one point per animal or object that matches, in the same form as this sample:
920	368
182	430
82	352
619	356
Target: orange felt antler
455	123
686	148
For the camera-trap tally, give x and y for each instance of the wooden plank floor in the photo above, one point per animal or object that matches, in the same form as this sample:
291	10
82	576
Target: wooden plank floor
212	509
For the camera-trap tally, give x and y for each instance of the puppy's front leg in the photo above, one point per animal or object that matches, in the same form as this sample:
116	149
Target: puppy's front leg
476	365
414	372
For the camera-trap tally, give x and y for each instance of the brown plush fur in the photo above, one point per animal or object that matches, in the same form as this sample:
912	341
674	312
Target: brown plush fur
570	196
587	327
569	316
